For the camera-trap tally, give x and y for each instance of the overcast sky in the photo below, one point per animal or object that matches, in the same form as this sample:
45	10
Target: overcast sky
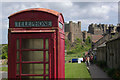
86	12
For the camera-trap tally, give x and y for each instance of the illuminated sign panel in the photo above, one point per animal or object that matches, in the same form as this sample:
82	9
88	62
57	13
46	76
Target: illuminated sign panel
33	23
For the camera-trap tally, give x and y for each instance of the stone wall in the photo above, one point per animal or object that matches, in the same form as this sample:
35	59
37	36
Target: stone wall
85	35
100	29
108	49
113	53
101	53
95	31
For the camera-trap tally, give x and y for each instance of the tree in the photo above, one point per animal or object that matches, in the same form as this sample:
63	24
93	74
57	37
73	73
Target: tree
67	45
4	52
88	41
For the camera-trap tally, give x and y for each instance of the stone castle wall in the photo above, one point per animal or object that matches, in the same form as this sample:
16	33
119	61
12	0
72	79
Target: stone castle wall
113	49
73	31
101	29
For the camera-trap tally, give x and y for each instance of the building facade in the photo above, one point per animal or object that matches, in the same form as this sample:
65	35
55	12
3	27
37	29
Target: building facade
107	50
113	53
101	53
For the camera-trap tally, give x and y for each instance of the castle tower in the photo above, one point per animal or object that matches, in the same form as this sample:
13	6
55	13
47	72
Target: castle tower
79	25
107	26
70	25
100	25
84	35
92	25
103	28
95	25
71	31
118	27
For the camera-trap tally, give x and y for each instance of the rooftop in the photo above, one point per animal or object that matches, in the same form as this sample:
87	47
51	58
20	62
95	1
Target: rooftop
95	38
37	9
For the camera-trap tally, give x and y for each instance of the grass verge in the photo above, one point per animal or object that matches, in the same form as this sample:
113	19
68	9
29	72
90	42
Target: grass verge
3	68
75	70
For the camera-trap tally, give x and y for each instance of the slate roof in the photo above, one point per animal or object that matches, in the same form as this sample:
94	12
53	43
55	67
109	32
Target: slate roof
95	38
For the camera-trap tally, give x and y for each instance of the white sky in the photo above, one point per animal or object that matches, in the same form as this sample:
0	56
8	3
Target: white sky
86	12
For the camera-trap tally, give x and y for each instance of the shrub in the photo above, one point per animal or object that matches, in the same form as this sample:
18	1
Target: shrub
114	73
70	52
4	52
110	72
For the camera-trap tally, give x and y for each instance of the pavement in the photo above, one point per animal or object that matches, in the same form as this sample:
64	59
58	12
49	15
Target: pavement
3	74
3	65
97	73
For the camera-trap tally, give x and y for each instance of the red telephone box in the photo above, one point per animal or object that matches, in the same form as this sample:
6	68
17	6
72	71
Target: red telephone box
36	44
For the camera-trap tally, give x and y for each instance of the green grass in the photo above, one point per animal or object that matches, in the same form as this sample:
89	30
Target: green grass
72	70
3	68
75	70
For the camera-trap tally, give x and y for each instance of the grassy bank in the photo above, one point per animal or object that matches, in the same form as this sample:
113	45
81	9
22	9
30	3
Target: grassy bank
76	49
75	70
3	68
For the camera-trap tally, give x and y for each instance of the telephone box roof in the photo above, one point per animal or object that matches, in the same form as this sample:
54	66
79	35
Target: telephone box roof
38	9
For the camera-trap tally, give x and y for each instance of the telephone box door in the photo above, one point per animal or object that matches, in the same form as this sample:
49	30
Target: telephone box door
33	55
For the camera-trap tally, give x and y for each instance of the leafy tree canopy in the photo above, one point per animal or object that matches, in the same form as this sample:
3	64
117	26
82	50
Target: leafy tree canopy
4	52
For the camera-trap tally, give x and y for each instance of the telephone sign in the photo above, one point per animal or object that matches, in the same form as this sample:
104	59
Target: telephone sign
33	23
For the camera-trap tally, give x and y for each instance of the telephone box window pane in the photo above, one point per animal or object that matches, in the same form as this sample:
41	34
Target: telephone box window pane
32	77
32	56
18	68
17	43
60	25
47	43
17	55
32	43
47	69
47	56
30	68
47	78
17	78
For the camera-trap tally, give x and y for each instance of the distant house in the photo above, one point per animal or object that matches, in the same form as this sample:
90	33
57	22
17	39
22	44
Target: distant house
95	38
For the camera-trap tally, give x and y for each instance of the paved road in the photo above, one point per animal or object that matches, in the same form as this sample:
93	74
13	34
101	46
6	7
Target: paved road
3	74
3	65
97	73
